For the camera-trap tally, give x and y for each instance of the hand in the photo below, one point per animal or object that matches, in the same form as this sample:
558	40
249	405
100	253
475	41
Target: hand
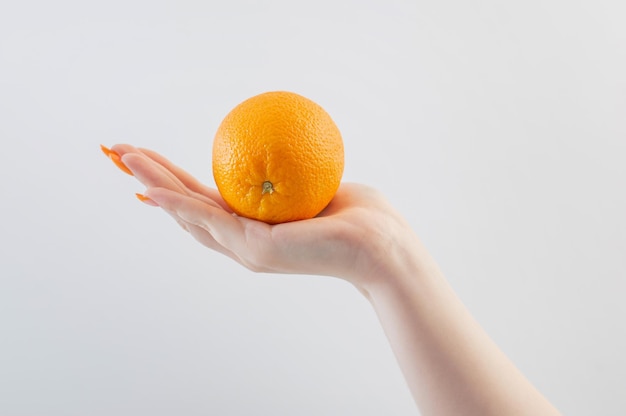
350	239
450	364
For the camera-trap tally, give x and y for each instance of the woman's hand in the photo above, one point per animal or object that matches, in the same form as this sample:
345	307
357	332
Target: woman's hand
353	238
451	366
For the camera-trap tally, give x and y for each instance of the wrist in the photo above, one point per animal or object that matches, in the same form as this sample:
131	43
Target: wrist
399	264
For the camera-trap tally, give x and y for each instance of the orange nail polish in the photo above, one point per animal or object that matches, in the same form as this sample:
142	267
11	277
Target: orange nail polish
105	150
118	162
146	200
116	159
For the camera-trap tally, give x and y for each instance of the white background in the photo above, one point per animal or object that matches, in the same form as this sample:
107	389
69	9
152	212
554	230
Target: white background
497	128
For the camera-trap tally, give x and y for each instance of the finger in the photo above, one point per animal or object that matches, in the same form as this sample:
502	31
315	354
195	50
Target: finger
150	173
224	228
188	180
178	178
203	236
207	240
123	148
146	172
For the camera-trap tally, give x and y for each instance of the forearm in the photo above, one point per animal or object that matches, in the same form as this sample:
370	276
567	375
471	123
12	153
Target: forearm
451	366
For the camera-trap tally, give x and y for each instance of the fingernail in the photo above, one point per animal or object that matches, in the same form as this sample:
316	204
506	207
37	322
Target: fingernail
105	150
146	200
116	159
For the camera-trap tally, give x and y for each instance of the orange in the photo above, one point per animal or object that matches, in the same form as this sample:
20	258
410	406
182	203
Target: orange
278	157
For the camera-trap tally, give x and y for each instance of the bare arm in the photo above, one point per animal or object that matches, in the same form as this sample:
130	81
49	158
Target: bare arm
451	366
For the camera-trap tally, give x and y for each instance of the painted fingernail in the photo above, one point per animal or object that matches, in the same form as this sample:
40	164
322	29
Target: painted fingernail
146	200
105	150
116	159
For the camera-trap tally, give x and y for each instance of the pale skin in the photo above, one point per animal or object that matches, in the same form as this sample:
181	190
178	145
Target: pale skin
450	364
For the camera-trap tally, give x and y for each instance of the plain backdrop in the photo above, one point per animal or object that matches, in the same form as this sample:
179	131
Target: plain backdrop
497	128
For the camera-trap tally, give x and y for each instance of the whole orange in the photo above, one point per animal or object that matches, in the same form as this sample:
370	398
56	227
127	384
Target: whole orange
278	157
